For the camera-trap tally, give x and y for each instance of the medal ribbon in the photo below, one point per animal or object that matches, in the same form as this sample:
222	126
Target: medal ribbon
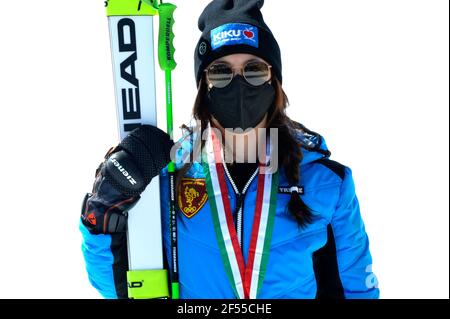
246	279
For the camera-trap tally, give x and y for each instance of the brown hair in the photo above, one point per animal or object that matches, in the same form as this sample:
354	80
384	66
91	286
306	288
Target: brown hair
290	153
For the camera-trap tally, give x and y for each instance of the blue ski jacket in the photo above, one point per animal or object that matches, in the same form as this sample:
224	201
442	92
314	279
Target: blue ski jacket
329	258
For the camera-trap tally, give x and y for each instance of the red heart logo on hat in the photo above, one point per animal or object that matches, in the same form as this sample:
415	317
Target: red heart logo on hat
249	34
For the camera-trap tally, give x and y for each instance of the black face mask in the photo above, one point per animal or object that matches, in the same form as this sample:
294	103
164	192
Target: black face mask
240	104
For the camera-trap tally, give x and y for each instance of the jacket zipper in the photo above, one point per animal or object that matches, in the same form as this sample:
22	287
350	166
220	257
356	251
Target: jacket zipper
240	201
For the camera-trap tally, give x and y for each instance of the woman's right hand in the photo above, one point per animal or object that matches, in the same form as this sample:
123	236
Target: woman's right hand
122	177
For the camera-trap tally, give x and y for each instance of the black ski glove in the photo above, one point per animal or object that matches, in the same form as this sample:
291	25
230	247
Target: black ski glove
122	177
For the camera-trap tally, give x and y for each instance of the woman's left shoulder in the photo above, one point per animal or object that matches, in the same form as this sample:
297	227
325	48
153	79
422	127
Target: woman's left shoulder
317	164
323	179
328	166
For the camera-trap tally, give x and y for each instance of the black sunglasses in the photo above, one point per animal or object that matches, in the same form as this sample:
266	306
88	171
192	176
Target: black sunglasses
221	74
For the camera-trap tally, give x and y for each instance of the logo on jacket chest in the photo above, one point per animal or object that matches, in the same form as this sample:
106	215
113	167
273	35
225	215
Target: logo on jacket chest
192	196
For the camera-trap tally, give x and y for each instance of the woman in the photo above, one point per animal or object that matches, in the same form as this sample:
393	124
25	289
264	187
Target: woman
262	212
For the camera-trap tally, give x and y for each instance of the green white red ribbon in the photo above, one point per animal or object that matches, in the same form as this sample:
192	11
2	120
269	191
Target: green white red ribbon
245	279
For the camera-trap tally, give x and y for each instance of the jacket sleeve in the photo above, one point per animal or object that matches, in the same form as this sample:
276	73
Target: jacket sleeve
106	256
106	262
352	245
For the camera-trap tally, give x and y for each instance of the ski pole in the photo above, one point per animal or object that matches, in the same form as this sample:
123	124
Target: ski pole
167	63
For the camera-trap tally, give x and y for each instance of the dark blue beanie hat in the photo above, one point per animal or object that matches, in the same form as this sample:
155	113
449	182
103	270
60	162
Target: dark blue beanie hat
235	26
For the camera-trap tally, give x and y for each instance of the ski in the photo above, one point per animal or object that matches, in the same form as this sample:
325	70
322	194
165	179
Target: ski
132	48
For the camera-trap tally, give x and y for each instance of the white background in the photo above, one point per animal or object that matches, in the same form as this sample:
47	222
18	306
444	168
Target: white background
370	76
